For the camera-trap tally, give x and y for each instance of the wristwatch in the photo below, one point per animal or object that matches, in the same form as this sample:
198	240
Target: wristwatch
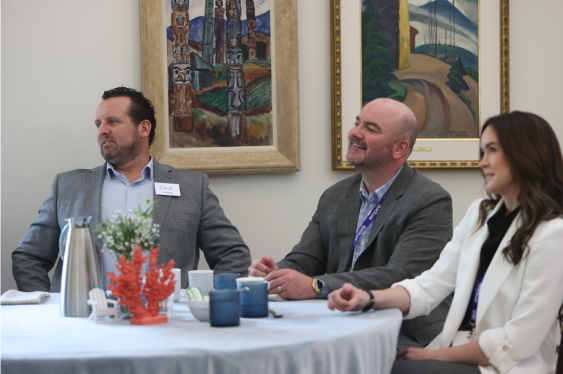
318	287
371	301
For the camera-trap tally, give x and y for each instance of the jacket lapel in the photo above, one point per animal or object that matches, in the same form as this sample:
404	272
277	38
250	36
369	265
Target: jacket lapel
498	271
465	279
466	273
346	222
93	185
162	174
390	203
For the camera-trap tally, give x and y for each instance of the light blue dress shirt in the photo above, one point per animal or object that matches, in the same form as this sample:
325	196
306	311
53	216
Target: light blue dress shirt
368	204
120	194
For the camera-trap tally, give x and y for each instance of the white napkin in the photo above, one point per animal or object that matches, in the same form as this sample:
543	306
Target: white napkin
275	297
13	297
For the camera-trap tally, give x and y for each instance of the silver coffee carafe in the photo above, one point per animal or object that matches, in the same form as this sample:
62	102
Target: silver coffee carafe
81	267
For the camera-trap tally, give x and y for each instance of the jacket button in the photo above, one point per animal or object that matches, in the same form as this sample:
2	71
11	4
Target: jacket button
505	348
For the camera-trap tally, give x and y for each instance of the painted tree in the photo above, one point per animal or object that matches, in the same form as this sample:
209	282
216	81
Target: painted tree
377	71
457	83
455	77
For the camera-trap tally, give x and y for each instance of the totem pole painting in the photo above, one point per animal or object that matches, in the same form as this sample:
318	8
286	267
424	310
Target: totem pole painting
236	92
219	32
208	33
219	73
179	71
251	22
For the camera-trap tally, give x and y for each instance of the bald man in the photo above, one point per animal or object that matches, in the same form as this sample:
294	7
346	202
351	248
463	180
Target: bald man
378	227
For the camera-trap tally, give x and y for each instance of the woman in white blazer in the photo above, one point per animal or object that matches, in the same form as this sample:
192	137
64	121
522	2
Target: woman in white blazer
504	264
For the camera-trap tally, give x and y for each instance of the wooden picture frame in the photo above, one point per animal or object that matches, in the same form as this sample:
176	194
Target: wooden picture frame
283	155
490	50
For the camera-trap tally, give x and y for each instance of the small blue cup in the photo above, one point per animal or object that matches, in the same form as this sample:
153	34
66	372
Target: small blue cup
254	299
226	281
224	308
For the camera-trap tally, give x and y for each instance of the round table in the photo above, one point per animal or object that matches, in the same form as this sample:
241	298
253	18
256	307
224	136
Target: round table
310	338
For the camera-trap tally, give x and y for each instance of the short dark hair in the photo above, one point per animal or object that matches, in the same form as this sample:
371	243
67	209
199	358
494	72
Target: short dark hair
140	109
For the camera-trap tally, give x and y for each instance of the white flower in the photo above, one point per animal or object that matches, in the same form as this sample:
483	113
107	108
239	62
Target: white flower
123	232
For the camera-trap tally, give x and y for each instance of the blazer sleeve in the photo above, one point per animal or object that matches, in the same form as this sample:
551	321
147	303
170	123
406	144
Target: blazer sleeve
418	246
537	305
310	255
220	241
39	249
429	289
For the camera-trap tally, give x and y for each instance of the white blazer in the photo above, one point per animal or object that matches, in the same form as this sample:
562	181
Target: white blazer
517	309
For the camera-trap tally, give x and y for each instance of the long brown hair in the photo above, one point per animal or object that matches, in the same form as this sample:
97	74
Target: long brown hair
534	155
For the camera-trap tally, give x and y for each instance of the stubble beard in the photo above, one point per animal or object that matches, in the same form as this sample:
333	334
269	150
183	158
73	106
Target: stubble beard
121	155
370	160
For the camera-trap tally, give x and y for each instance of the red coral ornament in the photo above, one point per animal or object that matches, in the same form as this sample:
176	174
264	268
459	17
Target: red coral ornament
158	286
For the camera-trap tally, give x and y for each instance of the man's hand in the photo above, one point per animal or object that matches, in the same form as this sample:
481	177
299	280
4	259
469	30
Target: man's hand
348	298
291	284
262	267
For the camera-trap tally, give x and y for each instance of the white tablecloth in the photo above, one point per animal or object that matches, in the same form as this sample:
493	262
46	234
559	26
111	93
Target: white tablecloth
310	338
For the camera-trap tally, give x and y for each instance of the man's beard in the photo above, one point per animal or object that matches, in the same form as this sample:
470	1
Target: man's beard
122	154
370	160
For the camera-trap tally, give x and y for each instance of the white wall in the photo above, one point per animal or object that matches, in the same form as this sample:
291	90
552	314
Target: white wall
55	72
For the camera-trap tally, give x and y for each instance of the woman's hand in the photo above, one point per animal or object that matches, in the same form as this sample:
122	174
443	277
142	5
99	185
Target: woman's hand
418	354
348	298
469	353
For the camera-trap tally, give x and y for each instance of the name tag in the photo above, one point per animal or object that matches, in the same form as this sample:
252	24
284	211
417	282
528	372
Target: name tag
167	189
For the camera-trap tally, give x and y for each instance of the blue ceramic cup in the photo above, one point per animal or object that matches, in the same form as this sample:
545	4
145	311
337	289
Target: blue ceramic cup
253	298
226	281
224	308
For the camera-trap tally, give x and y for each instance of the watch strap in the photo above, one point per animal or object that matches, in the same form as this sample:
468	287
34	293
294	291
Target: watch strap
371	301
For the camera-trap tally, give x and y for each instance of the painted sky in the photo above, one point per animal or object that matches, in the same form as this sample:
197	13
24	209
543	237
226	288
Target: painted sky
469	8
197	7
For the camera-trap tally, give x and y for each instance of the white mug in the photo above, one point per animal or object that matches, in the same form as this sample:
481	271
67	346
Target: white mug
177	274
202	279
178	287
244	280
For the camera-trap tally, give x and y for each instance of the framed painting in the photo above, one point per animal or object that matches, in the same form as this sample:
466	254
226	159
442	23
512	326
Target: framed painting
439	57
210	69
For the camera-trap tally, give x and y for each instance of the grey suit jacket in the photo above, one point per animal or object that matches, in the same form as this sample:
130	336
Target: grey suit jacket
411	229
188	222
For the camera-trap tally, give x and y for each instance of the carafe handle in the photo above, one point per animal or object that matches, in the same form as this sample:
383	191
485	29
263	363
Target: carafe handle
62	239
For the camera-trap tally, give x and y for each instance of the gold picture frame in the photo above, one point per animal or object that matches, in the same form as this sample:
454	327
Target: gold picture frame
339	140
284	155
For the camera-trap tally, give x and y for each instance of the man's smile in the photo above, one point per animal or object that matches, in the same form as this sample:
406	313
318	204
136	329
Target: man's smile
358	146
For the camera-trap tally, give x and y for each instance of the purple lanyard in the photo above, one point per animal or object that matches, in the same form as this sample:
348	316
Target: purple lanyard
474	303
369	219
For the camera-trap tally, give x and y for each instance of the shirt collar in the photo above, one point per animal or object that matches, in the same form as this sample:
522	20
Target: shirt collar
380	191
148	170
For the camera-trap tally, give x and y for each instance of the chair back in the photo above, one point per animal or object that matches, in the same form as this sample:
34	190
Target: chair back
99	296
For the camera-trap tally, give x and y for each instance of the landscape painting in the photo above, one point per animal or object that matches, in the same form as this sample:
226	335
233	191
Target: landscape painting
219	81
426	55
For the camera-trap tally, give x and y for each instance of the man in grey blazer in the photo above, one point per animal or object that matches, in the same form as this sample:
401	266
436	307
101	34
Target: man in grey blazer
193	220
373	229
